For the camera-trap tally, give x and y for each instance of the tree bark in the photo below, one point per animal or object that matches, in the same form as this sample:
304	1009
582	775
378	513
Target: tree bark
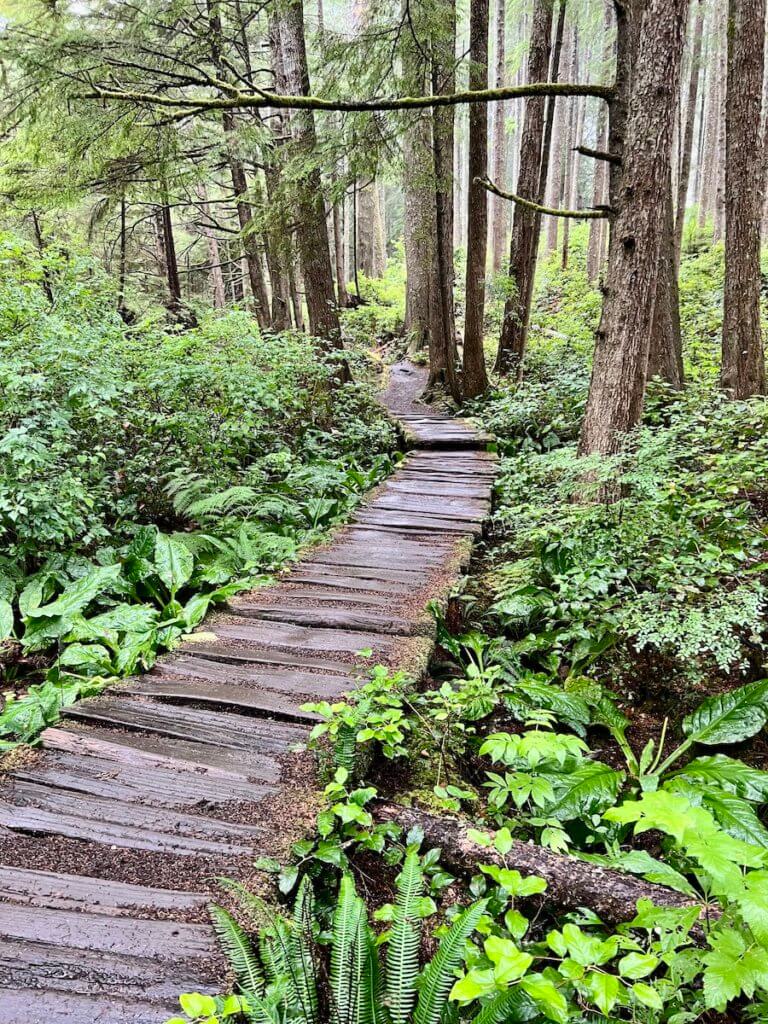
690	126
743	369
498	206
214	252
475	380
524	243
665	358
597	230
617	389
571	883
314	249
442	335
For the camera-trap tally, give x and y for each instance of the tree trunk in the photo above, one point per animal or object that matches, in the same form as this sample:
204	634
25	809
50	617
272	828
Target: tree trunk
571	883
247	229
690	126
549	125
370	231
314	250
743	369
665	358
524	242
475	379
419	215
214	252
574	139
499	207
617	390
340	254
598	228
442	335
721	156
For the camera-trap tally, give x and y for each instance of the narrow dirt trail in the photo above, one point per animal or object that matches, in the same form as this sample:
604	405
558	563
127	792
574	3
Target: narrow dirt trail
113	832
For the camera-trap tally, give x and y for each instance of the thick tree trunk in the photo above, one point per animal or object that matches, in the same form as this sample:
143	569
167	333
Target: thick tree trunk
314	249
524	241
442	336
598	228
475	380
665	358
743	369
684	176
370	231
499	209
617	390
710	156
214	252
571	883
549	131
721	157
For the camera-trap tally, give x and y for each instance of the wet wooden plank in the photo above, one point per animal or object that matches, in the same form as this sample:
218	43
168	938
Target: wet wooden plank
217	728
280	678
262	656
141	748
155	786
334	618
304	638
367	574
45	1006
54	811
54	891
74	973
418	522
129	936
241	698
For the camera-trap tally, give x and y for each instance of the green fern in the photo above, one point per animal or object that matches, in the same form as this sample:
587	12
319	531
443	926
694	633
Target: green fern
301	962
345	978
404	941
437	978
237	949
510	1007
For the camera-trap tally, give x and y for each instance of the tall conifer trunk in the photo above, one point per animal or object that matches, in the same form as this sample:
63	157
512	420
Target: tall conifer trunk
524	241
617	389
475	379
743	369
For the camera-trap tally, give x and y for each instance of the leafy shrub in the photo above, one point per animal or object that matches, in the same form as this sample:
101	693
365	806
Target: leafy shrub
238	441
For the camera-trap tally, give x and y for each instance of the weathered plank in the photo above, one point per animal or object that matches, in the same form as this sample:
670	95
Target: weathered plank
240	698
333	617
46	1006
280	678
217	728
53	891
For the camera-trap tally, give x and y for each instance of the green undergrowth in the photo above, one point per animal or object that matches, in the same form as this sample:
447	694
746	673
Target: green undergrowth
146	474
609	702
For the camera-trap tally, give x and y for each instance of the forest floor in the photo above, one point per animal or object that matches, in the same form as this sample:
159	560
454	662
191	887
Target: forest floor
112	832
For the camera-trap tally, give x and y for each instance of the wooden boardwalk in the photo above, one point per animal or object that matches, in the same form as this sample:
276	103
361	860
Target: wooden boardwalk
112	834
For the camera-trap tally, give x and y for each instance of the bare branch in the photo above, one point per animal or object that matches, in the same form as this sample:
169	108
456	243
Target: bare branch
547	211
598	154
262	99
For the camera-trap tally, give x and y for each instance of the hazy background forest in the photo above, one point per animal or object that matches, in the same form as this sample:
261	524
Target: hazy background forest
225	227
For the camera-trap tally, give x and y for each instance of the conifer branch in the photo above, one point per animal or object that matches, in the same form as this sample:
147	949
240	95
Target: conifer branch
598	154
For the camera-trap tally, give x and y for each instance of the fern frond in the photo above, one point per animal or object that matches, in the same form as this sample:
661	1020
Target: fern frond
260	1010
237	949
404	941
252	904
302	963
232	500
438	976
346	930
510	1007
367	971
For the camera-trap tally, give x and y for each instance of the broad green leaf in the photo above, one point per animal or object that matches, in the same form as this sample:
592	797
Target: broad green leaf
174	562
729	717
647	995
196	1005
547	997
6	619
90	658
589	789
726	773
637	965
78	594
603	990
509	962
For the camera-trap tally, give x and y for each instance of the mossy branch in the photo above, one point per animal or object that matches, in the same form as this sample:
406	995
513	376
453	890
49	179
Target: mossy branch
599	154
601	213
262	99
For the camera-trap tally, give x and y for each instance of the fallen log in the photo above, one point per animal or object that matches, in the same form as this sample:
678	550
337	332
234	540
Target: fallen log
571	882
